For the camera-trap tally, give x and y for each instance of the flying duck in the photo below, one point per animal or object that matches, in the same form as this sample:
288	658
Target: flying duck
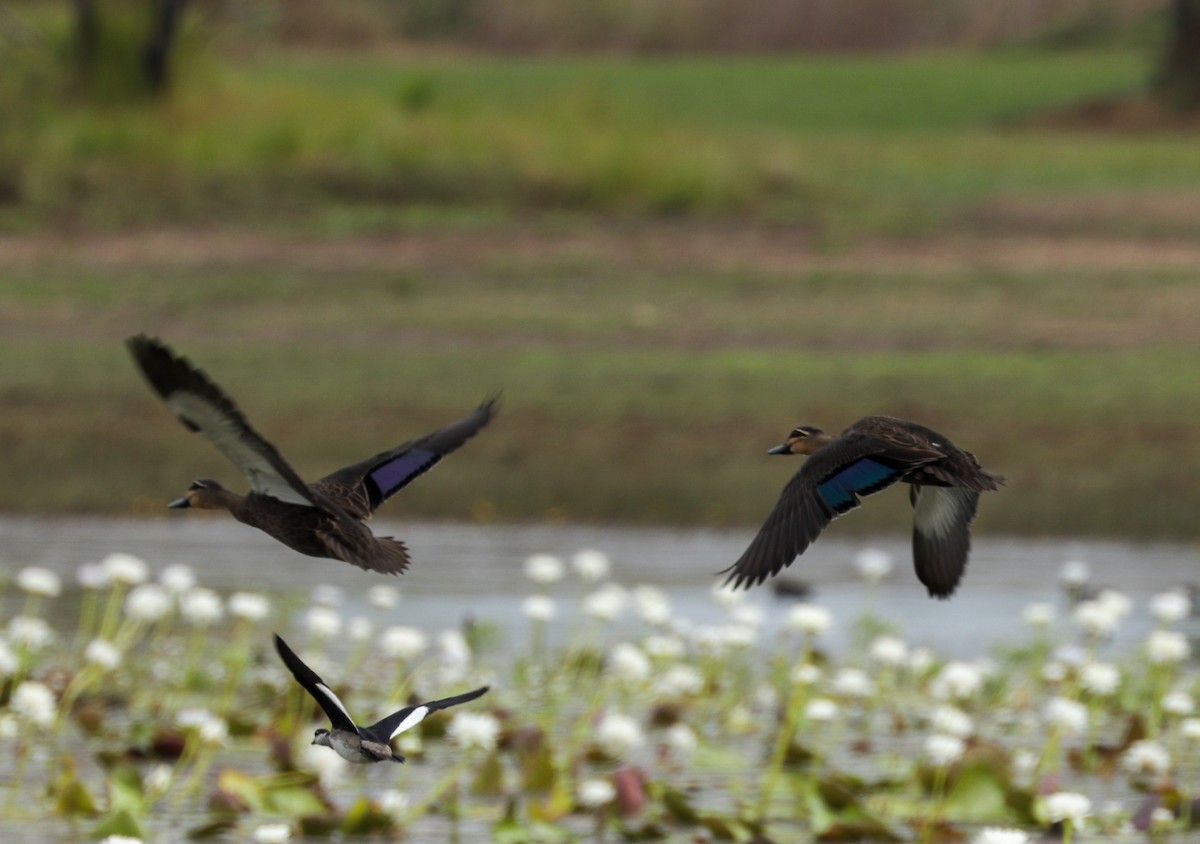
873	453
357	744
321	519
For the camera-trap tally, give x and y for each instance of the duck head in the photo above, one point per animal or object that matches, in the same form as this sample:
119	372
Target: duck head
202	494
803	440
321	737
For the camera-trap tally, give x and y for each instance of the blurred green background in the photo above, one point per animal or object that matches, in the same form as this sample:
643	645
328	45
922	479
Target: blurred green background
667	231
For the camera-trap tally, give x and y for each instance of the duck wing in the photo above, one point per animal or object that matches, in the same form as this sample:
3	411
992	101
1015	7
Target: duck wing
941	537
363	486
352	542
316	687
827	485
204	408
405	719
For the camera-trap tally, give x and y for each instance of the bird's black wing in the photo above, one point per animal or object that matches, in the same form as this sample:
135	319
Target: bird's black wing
202	407
405	719
367	484
941	537
827	485
316	687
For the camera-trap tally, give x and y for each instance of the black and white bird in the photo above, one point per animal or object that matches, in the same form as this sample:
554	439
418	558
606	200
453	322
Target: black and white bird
945	483
361	745
322	519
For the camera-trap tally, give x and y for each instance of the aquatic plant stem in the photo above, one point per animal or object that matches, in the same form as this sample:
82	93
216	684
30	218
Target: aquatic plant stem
934	817
793	706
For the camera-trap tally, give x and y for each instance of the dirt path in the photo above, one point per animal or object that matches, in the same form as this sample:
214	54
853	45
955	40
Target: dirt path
659	246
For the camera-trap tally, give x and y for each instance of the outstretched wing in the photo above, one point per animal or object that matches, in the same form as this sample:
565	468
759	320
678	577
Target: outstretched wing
827	485
941	538
367	484
316	687
405	719
203	407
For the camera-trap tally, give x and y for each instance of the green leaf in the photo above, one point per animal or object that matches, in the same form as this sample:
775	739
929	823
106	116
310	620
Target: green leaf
118	822
125	792
978	796
293	801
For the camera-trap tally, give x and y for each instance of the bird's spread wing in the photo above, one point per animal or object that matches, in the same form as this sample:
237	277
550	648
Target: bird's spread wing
407	718
827	485
203	407
316	687
388	472
942	517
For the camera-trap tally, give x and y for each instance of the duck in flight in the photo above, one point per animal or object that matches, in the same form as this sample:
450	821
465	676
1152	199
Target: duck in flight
322	519
362	745
873	453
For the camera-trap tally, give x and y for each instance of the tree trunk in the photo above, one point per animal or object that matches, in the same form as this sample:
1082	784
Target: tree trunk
1178	79
157	54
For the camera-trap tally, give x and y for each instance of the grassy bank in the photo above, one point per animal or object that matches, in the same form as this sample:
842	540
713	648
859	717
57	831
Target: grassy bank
647	396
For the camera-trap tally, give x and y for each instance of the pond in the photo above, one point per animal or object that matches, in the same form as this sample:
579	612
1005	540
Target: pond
475	573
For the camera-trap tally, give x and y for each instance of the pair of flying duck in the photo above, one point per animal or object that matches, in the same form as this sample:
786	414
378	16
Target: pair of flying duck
327	517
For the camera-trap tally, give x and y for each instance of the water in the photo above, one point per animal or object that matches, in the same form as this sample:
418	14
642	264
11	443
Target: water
462	571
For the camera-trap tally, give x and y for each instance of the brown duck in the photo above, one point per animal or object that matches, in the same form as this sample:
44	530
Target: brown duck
873	453
321	519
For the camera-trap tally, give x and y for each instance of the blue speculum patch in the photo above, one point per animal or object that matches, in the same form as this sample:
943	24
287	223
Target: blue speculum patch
392	475
859	478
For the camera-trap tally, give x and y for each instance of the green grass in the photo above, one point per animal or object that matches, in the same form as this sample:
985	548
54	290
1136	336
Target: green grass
849	144
615	408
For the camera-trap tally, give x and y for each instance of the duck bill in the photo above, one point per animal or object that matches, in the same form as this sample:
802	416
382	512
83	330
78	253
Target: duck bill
180	504
782	448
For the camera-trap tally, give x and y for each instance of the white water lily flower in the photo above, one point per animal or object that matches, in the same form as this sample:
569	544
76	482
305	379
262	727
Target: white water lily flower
594	793
1069	717
478	730
324	622
1025	763
403	642
1117	602
951	721
393	802
35	703
1096	618
1039	614
811	619
147	602
201	607
921	659
177	578
125	568
681	742
91	576
121	839
39	581
329	767
544	568
629	663
820	709
383	596
1001	835
158	779
652	605
1172	606
452	645
727	595
1067	806
539	608
30	632
1075	572
606	603
249	606
359	629
102	654
806	674
1100	678
659	646
214	731
1189	728
873	564
272	833
678	681
1146	757
617	734
8	660
1165	647
853	683
942	750
747	615
1178	702
591	565
889	650
957	680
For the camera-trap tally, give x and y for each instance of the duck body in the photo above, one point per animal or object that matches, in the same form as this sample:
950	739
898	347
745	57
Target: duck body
325	518
868	456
